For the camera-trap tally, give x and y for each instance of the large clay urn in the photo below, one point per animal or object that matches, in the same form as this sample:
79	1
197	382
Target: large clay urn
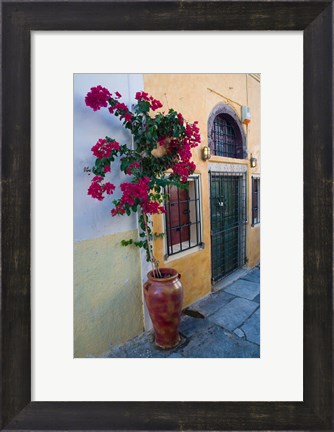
164	297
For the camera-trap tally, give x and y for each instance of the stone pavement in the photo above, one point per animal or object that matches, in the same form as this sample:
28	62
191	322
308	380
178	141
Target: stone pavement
224	324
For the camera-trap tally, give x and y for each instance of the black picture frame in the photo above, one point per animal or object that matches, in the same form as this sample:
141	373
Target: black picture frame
315	19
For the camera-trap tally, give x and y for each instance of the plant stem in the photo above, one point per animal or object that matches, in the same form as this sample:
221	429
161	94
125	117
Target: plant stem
155	267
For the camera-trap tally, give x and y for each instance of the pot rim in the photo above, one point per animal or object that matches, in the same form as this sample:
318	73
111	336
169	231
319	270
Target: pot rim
165	269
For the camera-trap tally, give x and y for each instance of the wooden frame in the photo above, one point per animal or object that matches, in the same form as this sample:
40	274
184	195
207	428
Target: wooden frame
315	18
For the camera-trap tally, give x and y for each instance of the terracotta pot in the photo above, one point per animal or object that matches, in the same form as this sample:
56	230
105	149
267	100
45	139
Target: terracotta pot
164	299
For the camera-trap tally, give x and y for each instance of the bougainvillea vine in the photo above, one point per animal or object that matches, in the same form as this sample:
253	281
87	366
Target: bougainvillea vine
162	142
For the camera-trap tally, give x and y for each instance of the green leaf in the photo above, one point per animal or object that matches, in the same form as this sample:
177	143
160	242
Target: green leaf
144	106
125	163
139	244
126	242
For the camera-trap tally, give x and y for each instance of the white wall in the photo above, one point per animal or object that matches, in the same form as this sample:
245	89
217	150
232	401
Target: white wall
92	218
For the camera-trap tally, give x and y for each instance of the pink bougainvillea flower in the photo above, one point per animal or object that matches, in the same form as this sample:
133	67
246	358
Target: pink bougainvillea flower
189	130
128	117
142	96
95	189
118	95
109	188
185	152
120	106
97	97
173	145
103	148
132	191
184	169
131	167
152	207
118	210
155	104
161	140
192	132
107	168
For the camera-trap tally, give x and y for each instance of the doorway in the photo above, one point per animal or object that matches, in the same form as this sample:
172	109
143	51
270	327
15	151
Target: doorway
228	222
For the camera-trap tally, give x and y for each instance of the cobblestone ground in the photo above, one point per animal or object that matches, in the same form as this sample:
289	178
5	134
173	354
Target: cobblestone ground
224	324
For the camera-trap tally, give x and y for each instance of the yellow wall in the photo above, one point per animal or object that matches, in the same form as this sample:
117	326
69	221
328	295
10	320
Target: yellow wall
195	96
254	138
107	294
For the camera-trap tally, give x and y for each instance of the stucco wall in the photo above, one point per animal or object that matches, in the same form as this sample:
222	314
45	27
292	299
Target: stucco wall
254	137
108	305
195	96
91	217
107	296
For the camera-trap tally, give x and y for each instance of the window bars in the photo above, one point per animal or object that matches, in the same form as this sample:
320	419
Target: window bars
183	218
224	138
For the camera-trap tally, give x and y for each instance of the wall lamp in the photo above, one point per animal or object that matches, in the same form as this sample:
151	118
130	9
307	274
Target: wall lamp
206	153
253	161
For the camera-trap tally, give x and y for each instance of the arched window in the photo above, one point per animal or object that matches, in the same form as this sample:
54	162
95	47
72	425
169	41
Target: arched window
226	136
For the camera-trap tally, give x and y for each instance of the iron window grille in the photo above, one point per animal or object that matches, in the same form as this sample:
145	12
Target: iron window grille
183	225
224	138
228	222
255	200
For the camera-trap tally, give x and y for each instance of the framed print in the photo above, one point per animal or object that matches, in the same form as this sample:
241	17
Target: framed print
19	20
52	345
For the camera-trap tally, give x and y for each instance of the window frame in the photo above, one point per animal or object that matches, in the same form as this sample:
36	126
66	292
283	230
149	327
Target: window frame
171	251
228	112
256	220
232	150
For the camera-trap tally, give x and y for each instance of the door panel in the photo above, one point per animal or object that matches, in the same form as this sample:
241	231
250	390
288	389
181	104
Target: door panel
228	201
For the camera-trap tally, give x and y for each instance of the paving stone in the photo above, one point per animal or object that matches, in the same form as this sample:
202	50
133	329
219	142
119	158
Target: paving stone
176	355
116	352
239	333
234	313
142	346
234	309
252	328
252	276
227	280
216	342
211	303
243	288
190	325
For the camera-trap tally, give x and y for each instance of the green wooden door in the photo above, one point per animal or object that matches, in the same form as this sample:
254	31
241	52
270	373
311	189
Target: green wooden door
227	223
